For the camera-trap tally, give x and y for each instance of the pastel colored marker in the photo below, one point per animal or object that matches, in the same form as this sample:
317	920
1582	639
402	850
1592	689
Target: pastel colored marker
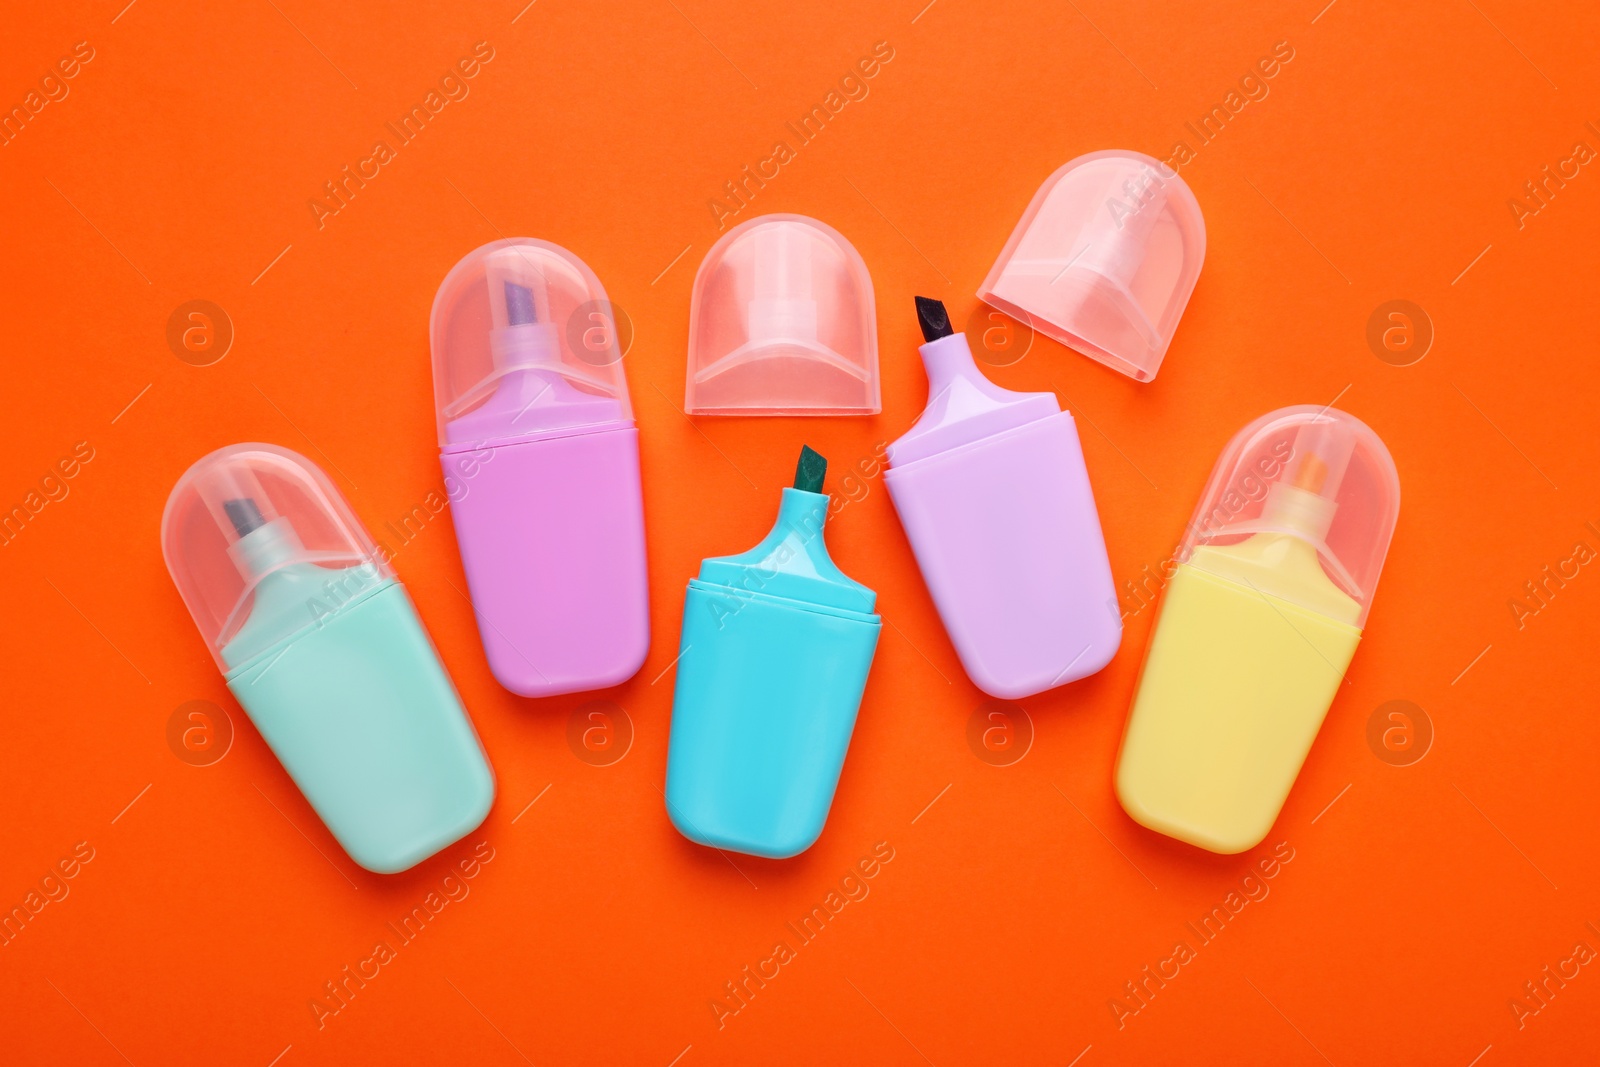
320	644
776	646
993	493
541	464
1260	618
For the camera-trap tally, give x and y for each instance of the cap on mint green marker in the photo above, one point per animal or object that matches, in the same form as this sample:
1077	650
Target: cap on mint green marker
776	647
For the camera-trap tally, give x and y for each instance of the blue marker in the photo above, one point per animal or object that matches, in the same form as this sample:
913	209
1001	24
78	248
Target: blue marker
776	647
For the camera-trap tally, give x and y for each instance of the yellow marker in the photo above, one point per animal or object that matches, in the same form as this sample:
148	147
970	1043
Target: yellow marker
1261	616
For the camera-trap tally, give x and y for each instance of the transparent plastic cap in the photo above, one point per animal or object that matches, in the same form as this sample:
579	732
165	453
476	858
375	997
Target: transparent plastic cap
1316	474
248	511
783	322
1104	260
524	342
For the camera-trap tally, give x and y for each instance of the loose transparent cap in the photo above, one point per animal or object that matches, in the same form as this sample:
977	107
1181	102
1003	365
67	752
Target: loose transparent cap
1313	473
524	342
782	322
1104	260
248	511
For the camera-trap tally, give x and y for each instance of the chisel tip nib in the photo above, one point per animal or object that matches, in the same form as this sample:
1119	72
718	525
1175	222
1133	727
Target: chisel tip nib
810	471
933	318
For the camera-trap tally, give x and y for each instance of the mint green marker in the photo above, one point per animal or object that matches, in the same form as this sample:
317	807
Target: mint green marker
318	640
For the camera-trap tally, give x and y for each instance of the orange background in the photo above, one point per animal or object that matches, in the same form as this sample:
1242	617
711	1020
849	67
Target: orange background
1018	904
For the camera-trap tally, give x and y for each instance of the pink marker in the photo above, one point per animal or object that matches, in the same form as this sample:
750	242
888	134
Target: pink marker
541	464
992	490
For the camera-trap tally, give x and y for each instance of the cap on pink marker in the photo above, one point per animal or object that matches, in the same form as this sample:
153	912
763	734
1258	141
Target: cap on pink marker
992	490
1104	260
541	465
782	322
